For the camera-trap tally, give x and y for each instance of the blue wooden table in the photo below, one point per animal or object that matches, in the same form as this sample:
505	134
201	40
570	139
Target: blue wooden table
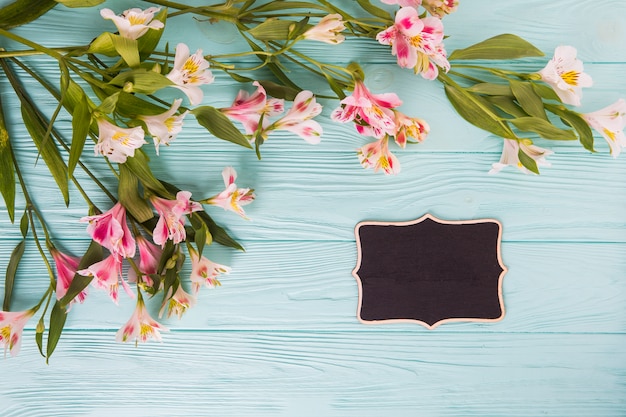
280	337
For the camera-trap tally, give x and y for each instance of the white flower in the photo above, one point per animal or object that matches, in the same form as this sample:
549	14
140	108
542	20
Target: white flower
133	23
610	122
327	30
510	155
190	72
564	73
118	143
166	126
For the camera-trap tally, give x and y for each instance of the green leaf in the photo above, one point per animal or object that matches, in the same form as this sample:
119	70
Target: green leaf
374	10
585	135
144	81
273	30
491	89
109	104
274	68
128	192
9	280
546	92
543	128
526	96
80	3
528	162
149	40
81	122
21	12
220	125
505	46
47	149
92	255
138	164
476	112
508	105
57	322
279	91
128	49
218	233
24	224
200	237
7	169
103	45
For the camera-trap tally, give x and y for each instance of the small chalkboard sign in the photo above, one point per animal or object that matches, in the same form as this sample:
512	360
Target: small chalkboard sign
429	271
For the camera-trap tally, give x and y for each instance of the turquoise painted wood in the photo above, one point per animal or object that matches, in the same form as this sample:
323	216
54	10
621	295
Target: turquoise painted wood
281	337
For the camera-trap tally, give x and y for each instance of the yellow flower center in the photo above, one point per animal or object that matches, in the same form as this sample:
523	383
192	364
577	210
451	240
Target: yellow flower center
609	134
121	137
5	333
169	123
570	77
136	20
191	65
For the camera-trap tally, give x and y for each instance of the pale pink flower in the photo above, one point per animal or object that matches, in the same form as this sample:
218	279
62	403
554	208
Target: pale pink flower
140	327
610	122
11	327
110	230
417	43
204	272
166	126
149	259
510	155
66	266
298	118
171	224
406	127
376	155
117	143
133	23
440	8
190	72
107	275
371	113
564	73
232	198
403	3
328	30
178	303
248	109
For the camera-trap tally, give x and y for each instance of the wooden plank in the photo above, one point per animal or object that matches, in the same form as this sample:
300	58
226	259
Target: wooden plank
362	373
550	287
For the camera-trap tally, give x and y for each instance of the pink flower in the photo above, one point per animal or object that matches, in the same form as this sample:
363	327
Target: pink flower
564	73
371	113
403	3
110	230
610	122
248	109
171	224
190	72
409	127
440	8
149	259
66	266
178	303
232	198
204	272
417	43
140	327
328	30
298	118
510	155
376	155
107	274
11	327
133	23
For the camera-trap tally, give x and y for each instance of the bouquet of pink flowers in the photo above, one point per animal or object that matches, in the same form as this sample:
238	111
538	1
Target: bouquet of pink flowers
112	89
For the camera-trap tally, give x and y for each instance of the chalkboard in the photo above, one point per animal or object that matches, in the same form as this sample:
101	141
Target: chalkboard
429	271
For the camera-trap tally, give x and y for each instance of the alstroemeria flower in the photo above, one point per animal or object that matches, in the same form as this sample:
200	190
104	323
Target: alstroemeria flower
440	8
171	224
417	43
406	127
510	155
190	72
328	30
368	110
178	303
403	3
110	230
248	108
107	275
610	122
133	23
166	126
564	73
298	118
66	266
376	155
204	272
232	198
117	143
140	327
149	259
11	326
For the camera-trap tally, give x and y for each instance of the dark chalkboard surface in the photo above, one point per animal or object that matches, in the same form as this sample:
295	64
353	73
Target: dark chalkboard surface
429	271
